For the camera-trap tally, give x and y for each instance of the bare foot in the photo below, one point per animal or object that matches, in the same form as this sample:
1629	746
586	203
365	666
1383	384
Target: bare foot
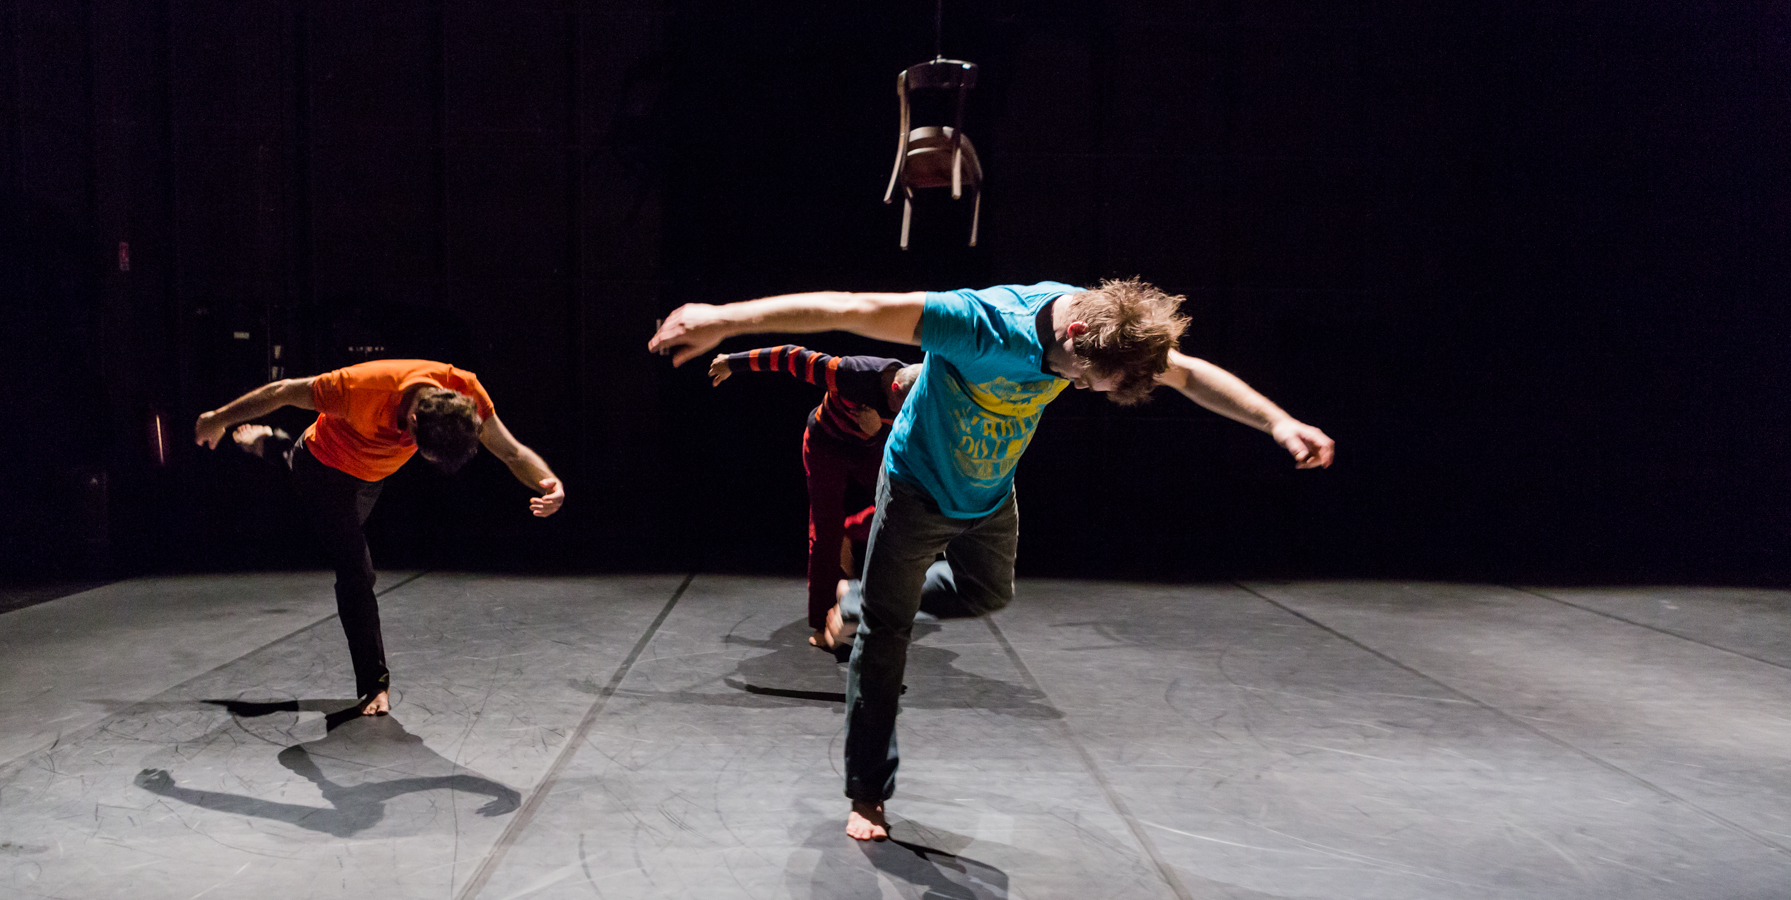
378	706
251	437
866	822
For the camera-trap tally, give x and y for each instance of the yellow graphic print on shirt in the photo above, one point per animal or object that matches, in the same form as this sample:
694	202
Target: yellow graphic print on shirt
995	427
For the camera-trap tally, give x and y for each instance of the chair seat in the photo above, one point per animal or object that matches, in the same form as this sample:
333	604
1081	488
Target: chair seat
930	159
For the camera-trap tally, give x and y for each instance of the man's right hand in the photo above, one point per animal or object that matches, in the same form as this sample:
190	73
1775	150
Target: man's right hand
719	370
869	421
209	430
690	331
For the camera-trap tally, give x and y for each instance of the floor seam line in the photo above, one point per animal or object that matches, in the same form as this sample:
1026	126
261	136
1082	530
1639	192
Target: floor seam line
1654	628
82	732
526	814
1164	870
1510	717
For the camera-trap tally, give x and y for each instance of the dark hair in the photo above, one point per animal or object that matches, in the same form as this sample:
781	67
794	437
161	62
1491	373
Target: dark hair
1132	326
447	427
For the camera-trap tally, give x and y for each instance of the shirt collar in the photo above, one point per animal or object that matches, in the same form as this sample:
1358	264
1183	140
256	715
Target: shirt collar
1047	335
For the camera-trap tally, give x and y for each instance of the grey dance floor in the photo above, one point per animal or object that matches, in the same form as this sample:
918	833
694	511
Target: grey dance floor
659	736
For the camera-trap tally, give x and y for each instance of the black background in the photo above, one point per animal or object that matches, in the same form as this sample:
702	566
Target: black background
1526	262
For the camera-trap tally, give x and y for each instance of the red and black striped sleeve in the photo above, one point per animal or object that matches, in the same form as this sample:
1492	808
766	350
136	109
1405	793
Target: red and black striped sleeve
798	362
853	383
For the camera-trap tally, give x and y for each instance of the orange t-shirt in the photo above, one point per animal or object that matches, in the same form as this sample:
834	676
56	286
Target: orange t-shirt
357	413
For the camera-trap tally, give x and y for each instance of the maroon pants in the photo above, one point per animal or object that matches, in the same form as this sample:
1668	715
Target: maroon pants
833	467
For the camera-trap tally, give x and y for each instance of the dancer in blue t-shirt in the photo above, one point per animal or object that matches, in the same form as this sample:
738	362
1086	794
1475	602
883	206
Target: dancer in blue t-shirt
994	359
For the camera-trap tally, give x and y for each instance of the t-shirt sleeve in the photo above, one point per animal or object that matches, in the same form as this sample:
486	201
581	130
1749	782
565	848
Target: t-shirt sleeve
474	389
956	325
329	393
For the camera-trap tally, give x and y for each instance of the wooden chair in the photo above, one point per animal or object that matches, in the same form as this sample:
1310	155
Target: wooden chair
934	156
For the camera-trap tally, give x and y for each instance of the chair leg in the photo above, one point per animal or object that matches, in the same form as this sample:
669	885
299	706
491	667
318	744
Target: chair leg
976	212
907	213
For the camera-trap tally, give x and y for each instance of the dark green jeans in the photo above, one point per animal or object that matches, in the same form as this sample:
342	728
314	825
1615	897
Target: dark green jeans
901	570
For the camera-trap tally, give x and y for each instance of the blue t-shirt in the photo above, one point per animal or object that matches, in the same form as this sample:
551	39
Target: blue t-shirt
973	410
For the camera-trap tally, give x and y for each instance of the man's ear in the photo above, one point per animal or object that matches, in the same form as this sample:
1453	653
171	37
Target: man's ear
1076	329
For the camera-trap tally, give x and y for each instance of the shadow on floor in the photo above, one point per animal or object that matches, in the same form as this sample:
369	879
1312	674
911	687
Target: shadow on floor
795	672
348	767
913	864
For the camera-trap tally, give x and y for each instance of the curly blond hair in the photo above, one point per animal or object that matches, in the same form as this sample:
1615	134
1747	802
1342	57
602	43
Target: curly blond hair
1132	326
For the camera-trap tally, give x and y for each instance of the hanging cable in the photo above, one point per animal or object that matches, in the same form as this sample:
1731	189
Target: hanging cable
939	29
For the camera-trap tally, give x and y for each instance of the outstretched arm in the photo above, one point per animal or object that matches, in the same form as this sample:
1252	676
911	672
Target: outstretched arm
1228	395
212	426
695	328
811	366
527	465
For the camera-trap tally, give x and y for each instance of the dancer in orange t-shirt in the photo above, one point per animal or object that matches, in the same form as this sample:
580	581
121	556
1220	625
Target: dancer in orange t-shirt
371	419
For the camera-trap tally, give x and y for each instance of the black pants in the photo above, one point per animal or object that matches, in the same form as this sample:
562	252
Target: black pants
338	505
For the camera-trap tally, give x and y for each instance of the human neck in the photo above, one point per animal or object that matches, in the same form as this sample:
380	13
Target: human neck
407	405
1057	354
1062	314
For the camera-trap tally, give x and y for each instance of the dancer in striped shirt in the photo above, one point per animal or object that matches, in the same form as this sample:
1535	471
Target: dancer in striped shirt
842	446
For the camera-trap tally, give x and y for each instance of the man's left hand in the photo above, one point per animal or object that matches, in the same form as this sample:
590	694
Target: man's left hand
1311	448
550	501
